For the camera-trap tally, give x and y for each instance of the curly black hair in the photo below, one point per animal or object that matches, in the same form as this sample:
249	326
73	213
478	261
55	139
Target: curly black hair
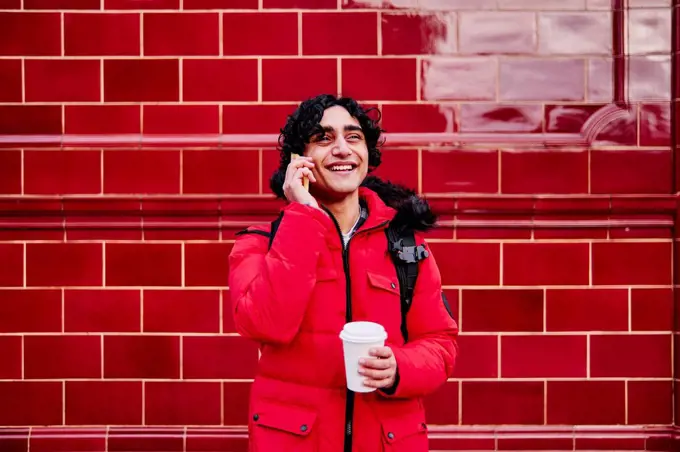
304	123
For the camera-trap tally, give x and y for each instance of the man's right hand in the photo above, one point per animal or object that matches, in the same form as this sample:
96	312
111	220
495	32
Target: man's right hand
292	185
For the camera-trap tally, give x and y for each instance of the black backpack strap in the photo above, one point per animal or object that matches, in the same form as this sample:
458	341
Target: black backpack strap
274	228
406	256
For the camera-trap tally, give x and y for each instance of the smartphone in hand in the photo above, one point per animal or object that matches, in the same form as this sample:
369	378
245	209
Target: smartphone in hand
305	179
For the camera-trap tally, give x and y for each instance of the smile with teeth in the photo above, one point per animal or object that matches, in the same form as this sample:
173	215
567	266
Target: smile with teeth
340	168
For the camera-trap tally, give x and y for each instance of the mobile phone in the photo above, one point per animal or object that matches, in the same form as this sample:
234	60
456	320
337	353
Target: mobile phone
305	180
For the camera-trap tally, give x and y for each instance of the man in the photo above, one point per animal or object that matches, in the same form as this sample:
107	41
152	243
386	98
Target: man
324	262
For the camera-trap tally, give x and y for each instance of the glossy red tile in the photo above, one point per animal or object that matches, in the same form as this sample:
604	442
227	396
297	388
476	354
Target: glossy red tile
182	403
543	4
501	118
631	263
585	402
586	310
30	119
30	311
219	80
655	124
497	32
650	402
102	119
627	442
127	171
30	33
141	80
631	171
568	118
115	34
418	33
181	311
62	357
125	439
10	172
537	172
653	353
148	4
198	441
500	310
650	78
203	171
10	4
542	79
575	33
545	264
40	212
103	218
61	4
292	80
10	81
64	264
513	402
206	264
651	309
31	403
62	80
468	263
333	26
480	359
62	172
174	119
419	118
63	440
227	314
200	34
102	310
261	33
622	131
442	406
141	357
303	4
236	399
459	79
534	441
203	357
220	4
254	118
447	171
204	213
544	356
11	352
391	78
143	264
398	166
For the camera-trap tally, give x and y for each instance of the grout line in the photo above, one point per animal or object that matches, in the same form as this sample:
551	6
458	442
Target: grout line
101	82
141	34
181	356
23	80
23	179
419	74
61	34
545	310
222	403
625	401
339	75
181	171
420	170
102	355
590	264
220	27
259	79
499	346
545	402
104	263
141	311
63	405
24	268
143	402
101	174
23	357
502	246
183	257
63	310
181	79
299	33
630	309
587	356
379	38
260	158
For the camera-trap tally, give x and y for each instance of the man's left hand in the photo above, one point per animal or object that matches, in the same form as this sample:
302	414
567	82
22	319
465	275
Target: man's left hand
380	371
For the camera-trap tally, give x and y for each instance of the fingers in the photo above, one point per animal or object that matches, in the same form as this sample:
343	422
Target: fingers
374	374
304	172
381	352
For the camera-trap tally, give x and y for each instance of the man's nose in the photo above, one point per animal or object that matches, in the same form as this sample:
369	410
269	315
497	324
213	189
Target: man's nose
341	147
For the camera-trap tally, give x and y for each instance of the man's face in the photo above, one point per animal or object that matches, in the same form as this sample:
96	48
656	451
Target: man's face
339	153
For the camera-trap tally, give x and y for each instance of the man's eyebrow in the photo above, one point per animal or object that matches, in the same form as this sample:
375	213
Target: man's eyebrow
351	127
329	129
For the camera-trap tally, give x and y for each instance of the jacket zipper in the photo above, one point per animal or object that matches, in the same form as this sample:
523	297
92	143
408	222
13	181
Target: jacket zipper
349	404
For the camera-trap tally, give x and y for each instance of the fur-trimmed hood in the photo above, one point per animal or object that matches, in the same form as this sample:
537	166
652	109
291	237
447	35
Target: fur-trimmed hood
413	211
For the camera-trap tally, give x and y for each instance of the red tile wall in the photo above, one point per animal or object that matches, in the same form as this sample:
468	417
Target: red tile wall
137	137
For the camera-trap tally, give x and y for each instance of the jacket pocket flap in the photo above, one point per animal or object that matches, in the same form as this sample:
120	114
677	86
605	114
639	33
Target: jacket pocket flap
292	419
383	282
397	428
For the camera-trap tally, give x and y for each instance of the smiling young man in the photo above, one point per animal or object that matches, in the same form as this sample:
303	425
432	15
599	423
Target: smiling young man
327	260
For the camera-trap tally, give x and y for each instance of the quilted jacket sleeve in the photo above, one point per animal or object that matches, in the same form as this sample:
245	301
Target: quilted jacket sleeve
427	360
270	289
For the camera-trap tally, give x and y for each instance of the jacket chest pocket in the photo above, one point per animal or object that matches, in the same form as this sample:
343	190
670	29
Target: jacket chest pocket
275	427
385	300
407	433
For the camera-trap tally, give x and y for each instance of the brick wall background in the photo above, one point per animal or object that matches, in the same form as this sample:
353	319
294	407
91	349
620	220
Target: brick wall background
138	135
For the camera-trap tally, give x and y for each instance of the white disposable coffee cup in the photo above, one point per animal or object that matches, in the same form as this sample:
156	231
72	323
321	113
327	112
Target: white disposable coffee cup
357	339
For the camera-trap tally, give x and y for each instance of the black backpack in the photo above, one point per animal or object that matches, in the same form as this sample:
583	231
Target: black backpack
401	243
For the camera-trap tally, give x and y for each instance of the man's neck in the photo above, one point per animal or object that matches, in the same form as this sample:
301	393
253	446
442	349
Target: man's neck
346	211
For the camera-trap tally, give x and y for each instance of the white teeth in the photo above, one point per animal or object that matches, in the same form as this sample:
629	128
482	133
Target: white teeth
341	168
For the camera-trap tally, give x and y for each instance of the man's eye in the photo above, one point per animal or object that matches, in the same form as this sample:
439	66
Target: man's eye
354	137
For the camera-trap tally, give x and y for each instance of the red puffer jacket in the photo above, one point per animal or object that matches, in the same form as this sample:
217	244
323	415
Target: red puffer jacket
293	300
